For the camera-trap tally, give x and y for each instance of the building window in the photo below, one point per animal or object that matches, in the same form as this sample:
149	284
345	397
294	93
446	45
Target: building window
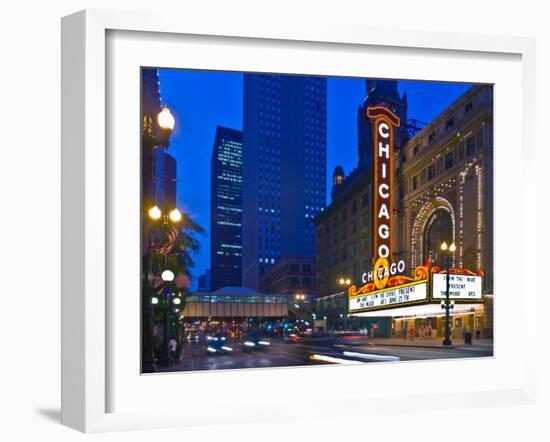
415	182
365	220
365	200
431	172
468	108
449	124
307	268
431	138
449	160
354	207
470	146
415	150
460	152
294	268
401	191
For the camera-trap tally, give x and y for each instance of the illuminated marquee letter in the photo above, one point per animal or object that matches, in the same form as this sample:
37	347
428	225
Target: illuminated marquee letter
384	212
383	231
384	190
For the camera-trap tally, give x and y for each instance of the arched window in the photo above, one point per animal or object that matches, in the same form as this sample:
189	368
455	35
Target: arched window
439	228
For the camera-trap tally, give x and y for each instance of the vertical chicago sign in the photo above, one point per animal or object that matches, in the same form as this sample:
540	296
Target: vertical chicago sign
383	123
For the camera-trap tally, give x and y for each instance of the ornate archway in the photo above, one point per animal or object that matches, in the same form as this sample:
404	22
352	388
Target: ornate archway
434	223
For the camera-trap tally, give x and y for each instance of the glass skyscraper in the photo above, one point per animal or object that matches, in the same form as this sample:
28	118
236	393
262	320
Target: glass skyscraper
226	208
284	168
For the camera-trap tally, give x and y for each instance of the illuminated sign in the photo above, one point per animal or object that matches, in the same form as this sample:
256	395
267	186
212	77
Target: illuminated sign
389	291
461	287
383	125
402	295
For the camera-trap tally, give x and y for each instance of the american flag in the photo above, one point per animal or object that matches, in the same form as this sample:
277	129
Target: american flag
168	242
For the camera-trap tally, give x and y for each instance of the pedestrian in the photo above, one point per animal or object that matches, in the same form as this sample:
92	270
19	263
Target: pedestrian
172	348
478	332
468	335
429	331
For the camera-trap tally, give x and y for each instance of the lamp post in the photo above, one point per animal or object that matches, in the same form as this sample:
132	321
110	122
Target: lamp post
150	141
157	217
346	282
447	305
299	302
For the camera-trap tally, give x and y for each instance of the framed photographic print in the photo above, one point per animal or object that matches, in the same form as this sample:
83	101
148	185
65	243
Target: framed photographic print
249	210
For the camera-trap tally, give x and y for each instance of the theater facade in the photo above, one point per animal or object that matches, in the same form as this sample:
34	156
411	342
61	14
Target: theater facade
385	226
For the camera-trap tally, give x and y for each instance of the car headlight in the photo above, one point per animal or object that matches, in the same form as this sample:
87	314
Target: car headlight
227	348
264	343
249	344
210	349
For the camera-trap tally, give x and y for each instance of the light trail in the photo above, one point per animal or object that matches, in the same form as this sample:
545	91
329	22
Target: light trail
372	357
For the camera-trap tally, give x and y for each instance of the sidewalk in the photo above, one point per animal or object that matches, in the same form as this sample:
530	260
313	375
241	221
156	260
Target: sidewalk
427	342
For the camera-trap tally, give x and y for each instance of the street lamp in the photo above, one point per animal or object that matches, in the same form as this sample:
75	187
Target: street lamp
299	297
149	142
166	123
447	305
346	282
167	276
175	216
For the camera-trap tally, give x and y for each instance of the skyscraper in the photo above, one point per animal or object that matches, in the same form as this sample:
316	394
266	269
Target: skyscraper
165	179
226	208
150	96
284	169
379	92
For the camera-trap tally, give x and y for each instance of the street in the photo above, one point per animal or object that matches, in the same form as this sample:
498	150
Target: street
281	353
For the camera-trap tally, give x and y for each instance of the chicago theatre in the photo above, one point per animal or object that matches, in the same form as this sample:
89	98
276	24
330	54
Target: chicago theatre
379	242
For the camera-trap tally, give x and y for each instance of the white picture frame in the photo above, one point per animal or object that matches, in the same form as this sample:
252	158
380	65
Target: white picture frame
86	315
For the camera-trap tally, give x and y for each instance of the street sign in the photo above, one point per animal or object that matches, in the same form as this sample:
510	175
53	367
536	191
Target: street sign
461	287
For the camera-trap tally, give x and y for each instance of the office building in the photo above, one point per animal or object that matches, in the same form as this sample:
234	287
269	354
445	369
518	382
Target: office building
284	169
226	208
290	275
165	179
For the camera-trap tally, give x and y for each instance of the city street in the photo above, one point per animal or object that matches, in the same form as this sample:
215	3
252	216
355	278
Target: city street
281	353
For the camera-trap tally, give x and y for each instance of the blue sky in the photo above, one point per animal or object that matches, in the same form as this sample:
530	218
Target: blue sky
202	100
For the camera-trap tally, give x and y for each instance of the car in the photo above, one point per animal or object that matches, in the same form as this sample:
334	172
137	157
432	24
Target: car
323	339
253	341
292	338
217	344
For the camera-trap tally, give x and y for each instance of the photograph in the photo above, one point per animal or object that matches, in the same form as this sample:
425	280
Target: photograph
299	220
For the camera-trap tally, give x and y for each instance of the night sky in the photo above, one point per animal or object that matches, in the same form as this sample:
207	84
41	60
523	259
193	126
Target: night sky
201	100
